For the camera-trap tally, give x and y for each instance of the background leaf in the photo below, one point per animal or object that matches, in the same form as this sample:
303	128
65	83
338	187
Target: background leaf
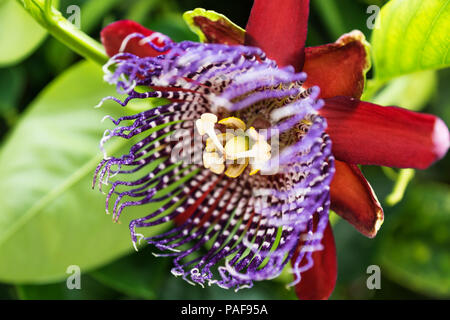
90	290
413	36
12	83
414	249
412	91
48	208
137	275
176	288
20	35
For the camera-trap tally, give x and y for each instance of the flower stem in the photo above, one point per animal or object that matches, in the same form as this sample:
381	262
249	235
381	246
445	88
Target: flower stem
404	177
53	21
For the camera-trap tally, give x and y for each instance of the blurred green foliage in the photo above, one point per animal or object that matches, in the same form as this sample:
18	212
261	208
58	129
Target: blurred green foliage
421	45
19	42
49	149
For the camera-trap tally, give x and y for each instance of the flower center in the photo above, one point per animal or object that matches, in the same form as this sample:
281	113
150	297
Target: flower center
231	151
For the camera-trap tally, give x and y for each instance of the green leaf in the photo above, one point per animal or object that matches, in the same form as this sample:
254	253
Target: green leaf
175	288
414	248
93	11
58	55
375	2
90	290
7	292
50	217
137	275
12	85
411	92
20	35
354	253
329	13
413	36
144	276
173	25
139	11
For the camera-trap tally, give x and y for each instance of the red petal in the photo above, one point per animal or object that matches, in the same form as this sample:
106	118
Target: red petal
279	28
353	199
113	35
318	282
366	133
339	68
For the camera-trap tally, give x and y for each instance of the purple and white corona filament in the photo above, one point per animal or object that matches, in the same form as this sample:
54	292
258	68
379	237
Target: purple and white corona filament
235	222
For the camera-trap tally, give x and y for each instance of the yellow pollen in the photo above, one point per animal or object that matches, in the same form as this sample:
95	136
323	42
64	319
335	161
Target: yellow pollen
231	152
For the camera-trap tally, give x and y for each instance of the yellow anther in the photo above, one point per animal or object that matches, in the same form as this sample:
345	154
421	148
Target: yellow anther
233	122
252	133
238	148
235	170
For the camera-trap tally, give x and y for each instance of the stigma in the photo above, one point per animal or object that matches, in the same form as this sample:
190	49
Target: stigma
233	148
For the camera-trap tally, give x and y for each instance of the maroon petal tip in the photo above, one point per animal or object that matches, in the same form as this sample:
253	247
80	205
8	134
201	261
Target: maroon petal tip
113	35
369	134
339	68
441	139
353	199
